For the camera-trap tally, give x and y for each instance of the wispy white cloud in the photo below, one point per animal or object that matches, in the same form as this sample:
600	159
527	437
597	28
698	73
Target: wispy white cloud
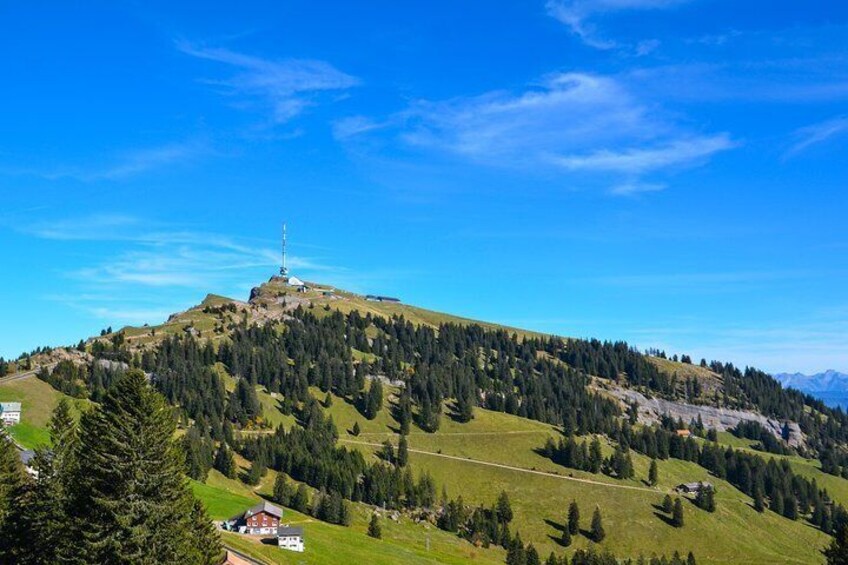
96	226
817	133
570	123
288	86
640	160
577	16
802	79
124	164
634	188
189	249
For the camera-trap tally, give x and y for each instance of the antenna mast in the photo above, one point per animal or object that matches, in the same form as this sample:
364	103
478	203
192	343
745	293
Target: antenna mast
284	271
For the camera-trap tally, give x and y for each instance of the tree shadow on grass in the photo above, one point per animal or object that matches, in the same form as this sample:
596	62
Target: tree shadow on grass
555	525
665	519
558	540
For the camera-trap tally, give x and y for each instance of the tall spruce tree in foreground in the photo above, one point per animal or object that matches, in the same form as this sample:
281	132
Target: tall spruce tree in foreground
130	493
46	519
13	486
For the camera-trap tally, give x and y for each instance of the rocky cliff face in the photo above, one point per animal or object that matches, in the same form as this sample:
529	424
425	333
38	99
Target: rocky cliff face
722	419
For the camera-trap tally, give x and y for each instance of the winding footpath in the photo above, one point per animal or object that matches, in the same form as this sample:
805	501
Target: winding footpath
510	467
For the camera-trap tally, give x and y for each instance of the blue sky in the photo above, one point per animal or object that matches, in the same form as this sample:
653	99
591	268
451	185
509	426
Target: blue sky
669	172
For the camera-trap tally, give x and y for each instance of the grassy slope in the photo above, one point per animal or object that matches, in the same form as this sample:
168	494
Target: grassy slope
38	399
810	468
346	302
633	524
403	541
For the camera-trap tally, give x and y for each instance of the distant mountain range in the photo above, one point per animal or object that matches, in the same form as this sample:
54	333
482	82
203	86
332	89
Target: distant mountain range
831	386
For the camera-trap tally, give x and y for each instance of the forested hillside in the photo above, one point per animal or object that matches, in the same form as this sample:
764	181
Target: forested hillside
343	401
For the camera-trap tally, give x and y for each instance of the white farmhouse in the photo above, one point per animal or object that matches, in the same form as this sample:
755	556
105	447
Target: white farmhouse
10	413
290	538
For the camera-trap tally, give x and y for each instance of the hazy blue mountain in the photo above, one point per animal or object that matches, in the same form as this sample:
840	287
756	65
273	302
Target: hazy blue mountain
831	386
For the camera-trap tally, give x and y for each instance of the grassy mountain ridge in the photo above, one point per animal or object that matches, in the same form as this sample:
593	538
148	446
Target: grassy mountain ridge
495	451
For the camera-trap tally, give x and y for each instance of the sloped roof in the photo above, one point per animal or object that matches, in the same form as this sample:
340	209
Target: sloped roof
289	531
10	406
266	507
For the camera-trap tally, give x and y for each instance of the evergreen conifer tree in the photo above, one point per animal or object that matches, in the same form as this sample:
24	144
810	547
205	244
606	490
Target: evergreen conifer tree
13	485
573	518
206	542
677	514
596	457
667	504
46	520
225	462
300	501
129	491
597	530
837	552
653	473
374	529
283	491
402	452
503	510
532	556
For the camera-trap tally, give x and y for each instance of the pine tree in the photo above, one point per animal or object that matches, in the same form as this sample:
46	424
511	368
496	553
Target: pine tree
46	520
402	452
653	473
374	529
837	552
503	510
573	518
283	491
667	504
374	399
705	499
300	501
598	533
356	430
532	556
225	463
596	456
404	412
677	514
205	540
130	492
465	404
759	497
256	472
13	484
516	554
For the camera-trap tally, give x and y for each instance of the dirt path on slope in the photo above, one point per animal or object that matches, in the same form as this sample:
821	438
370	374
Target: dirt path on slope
512	468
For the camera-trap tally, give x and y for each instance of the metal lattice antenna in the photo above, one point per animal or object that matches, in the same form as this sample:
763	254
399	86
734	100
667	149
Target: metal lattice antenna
284	271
